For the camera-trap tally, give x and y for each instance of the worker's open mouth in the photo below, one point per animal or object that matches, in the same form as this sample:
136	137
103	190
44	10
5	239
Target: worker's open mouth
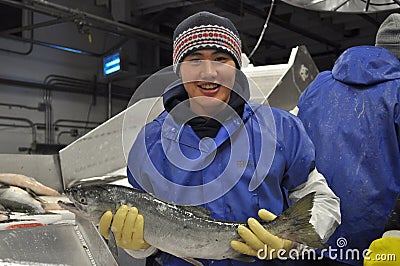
209	86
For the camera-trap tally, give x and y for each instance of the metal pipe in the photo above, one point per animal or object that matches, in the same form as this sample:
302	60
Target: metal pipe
134	30
30	7
340	5
14	125
119	28
94	99
367	6
72	126
109	99
75	121
29	122
40	25
29	16
48	117
42	126
50	79
68	83
10	105
125	93
50	45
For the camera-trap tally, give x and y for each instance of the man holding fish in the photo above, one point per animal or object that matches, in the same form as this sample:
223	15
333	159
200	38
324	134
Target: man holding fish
211	147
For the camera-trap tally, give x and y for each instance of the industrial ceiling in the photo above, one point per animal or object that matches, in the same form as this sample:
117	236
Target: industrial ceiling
325	33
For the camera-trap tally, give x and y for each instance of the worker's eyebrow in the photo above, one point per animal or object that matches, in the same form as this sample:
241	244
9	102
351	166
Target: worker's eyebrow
195	54
199	53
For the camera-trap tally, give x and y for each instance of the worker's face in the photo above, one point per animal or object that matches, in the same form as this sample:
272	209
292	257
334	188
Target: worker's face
208	77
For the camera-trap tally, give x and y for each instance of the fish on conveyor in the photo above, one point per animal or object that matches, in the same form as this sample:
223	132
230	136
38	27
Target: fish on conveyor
16	199
27	182
188	231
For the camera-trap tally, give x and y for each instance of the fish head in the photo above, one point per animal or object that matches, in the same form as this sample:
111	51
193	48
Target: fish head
91	201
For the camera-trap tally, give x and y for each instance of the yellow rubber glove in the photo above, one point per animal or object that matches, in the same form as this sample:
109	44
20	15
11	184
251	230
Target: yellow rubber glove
383	251
258	240
127	226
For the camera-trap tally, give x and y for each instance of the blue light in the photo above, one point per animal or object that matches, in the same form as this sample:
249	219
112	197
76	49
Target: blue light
111	64
112	70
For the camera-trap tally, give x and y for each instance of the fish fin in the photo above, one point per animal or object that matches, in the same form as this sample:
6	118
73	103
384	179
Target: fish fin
30	191
294	223
35	197
193	261
112	244
198	211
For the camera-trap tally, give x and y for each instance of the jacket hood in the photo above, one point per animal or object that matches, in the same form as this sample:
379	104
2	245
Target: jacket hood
366	65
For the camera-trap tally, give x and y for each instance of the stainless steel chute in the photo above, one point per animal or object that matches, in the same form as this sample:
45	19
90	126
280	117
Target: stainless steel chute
57	244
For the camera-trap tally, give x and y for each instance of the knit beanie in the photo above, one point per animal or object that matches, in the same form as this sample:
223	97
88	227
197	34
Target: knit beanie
388	35
205	30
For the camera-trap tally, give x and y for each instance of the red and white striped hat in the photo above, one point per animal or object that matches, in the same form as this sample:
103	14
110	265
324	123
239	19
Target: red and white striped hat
205	30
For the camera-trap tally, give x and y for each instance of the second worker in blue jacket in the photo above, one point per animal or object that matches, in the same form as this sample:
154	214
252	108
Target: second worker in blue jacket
352	115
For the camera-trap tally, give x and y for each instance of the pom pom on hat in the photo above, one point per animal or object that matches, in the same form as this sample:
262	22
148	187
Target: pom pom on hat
205	30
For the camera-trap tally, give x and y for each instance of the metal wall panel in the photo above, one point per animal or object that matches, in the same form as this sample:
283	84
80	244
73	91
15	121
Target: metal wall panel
44	168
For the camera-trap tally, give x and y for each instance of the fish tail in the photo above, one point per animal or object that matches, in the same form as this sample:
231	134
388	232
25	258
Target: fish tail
294	223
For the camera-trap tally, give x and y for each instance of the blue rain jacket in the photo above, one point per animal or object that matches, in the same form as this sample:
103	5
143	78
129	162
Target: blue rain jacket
352	115
288	159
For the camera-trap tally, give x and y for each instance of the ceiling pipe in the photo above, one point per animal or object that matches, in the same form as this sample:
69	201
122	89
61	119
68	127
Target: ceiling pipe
22	5
40	25
50	45
131	29
119	28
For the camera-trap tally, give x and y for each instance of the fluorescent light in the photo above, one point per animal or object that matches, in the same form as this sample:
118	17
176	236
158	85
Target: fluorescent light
111	64
112	70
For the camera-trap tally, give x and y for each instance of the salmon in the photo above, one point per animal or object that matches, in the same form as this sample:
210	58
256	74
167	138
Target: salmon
189	232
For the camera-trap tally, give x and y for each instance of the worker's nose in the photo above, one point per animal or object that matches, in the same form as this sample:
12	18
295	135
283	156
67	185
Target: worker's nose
208	70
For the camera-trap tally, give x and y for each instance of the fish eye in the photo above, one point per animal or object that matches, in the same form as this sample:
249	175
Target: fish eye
83	200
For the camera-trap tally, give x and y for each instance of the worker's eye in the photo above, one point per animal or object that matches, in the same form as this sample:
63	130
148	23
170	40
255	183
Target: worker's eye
221	59
195	61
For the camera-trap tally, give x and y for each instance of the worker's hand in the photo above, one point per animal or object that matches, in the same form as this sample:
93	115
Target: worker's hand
383	251
127	226
258	241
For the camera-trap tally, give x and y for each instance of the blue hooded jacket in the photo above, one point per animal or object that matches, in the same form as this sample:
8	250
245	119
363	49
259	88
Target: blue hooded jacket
267	146
352	115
